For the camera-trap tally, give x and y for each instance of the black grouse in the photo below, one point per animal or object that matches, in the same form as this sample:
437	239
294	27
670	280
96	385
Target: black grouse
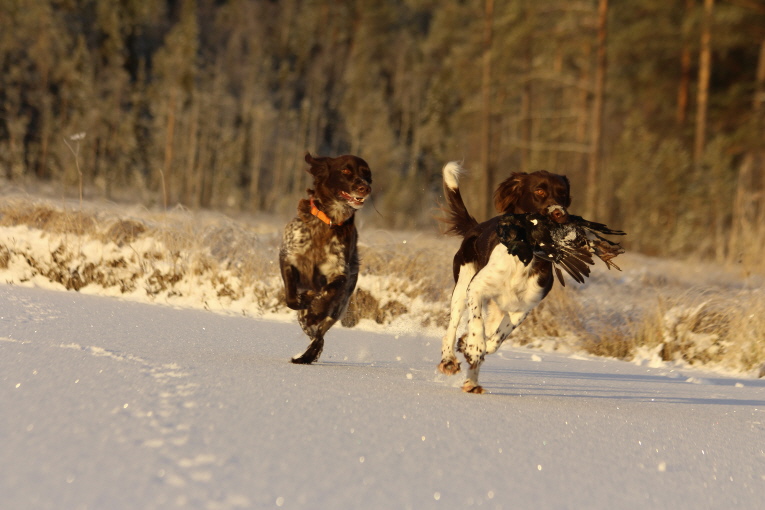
568	245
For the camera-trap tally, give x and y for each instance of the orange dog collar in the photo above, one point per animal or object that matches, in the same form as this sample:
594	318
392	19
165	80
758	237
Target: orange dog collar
323	217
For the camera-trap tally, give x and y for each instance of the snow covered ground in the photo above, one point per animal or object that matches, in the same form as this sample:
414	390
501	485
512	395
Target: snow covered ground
114	404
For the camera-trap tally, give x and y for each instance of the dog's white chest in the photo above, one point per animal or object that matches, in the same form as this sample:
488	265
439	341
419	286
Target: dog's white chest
508	282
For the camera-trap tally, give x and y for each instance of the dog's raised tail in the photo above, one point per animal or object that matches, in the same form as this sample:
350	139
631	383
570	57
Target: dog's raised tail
457	218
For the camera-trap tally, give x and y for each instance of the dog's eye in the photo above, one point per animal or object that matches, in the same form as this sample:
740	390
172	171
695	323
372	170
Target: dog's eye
347	171
540	193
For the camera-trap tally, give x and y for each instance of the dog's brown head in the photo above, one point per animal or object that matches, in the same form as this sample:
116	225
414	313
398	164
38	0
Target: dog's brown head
534	192
341	181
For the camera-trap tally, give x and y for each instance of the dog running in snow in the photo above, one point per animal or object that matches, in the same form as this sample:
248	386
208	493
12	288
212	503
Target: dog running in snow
497	287
318	258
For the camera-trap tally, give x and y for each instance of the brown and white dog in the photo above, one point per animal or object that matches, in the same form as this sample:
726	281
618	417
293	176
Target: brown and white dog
318	257
498	288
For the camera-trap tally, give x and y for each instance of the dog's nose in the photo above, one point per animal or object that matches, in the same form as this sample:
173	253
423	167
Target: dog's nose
363	189
559	215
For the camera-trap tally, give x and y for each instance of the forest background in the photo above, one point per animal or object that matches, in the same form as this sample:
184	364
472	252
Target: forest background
655	109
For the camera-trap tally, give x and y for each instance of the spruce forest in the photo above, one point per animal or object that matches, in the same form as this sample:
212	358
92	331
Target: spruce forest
654	109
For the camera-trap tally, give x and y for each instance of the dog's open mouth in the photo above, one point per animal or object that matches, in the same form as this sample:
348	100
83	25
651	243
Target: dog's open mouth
355	202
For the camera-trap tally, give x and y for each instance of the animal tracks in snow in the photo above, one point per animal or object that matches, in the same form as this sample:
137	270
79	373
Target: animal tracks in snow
166	414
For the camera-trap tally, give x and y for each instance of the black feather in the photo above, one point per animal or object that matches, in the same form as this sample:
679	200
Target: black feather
567	245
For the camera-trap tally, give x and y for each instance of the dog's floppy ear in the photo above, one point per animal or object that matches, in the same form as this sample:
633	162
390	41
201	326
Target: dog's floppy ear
509	191
319	165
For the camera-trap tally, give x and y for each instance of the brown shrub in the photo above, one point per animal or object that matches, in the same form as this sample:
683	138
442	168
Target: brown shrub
122	232
363	305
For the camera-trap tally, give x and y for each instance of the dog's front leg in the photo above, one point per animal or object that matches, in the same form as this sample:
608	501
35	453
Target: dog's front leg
314	326
503	331
331	300
474	347
322	312
315	333
509	322
291	278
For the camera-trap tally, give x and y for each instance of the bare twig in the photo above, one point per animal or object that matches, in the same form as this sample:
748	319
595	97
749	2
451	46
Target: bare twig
76	152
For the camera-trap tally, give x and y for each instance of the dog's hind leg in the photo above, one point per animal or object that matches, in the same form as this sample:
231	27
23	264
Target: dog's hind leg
474	346
484	315
471	381
449	364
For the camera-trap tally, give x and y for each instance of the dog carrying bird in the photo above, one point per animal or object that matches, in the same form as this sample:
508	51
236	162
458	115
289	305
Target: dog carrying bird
505	266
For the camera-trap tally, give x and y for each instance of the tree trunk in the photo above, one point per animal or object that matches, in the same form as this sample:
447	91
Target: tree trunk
759	91
683	90
416	145
167	172
486	179
749	202
593	169
255	143
191	180
525	123
702	98
525	113
585	80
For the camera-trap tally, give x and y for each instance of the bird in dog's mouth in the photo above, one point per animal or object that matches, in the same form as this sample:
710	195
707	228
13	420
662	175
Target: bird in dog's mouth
356	202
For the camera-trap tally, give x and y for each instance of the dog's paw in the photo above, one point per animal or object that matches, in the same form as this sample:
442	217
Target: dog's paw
305	299
311	354
303	360
301	301
449	366
296	305
471	387
307	357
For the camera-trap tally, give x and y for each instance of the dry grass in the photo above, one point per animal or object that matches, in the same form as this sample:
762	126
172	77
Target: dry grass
558	315
155	253
561	315
424	260
364	305
707	328
46	217
717	327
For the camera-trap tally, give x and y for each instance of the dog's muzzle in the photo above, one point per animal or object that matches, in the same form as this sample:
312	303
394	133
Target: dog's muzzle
358	196
557	213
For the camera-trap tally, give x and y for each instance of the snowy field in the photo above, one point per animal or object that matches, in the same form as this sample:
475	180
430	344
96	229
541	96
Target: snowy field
109	404
144	365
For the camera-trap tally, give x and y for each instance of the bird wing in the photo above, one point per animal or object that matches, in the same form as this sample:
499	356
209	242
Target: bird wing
565	245
603	248
569	246
595	227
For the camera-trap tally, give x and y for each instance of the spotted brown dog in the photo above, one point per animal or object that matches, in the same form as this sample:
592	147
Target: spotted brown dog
318	257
